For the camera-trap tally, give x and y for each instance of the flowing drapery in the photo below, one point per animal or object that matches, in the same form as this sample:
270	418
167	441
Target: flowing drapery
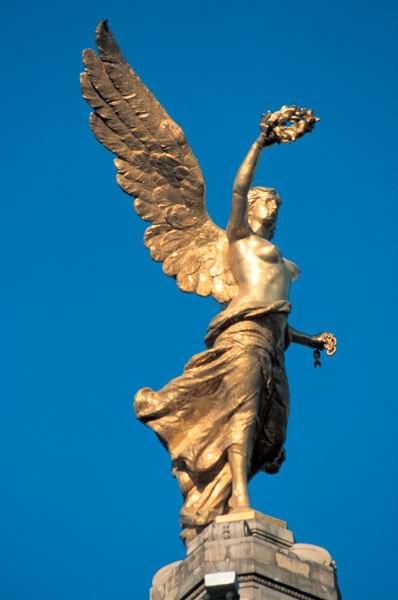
233	393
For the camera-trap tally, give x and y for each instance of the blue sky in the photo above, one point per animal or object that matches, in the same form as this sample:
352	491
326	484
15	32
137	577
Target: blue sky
88	507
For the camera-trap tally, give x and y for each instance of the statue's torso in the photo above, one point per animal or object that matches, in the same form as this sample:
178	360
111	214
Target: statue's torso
262	274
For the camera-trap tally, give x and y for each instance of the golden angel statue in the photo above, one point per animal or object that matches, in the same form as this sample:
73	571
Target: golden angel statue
224	419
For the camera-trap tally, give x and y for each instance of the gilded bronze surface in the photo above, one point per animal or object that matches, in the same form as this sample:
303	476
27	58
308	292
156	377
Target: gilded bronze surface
224	419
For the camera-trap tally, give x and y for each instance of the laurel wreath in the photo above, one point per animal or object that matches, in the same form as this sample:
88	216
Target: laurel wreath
287	124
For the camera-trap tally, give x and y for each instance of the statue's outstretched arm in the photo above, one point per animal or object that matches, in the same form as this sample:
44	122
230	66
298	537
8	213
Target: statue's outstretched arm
284	126
322	341
238	226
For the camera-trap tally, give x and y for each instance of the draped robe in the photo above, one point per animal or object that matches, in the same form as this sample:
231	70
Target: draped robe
233	393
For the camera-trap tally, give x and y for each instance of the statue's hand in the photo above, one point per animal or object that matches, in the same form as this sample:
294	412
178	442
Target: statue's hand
325	341
286	125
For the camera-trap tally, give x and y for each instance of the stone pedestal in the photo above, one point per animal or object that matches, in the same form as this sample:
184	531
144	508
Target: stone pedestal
248	556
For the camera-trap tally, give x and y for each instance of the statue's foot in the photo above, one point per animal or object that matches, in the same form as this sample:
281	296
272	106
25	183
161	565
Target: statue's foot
239	502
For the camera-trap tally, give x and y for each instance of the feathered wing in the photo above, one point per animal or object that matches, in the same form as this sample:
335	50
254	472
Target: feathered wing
156	165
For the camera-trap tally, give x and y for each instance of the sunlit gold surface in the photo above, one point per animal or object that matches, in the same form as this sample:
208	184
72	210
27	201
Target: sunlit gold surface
330	343
225	417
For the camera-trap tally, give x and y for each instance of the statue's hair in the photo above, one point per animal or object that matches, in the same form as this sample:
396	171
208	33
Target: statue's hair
256	192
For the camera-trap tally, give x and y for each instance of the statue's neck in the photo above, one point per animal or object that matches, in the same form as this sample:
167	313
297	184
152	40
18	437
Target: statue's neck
264	231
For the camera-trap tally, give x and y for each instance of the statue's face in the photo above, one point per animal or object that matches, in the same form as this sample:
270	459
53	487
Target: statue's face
264	209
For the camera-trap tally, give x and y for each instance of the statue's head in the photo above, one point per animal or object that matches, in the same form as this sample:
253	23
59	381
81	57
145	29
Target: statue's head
263	209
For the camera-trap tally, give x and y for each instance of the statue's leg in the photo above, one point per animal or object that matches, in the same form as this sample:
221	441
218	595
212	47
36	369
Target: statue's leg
244	384
239	458
238	462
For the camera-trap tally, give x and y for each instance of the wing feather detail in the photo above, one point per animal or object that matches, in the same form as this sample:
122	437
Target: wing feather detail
156	166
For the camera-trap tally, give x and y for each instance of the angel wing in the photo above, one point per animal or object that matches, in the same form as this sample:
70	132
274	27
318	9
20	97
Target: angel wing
156	165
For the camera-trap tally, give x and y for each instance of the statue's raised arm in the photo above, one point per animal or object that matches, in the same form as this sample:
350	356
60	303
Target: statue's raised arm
273	131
